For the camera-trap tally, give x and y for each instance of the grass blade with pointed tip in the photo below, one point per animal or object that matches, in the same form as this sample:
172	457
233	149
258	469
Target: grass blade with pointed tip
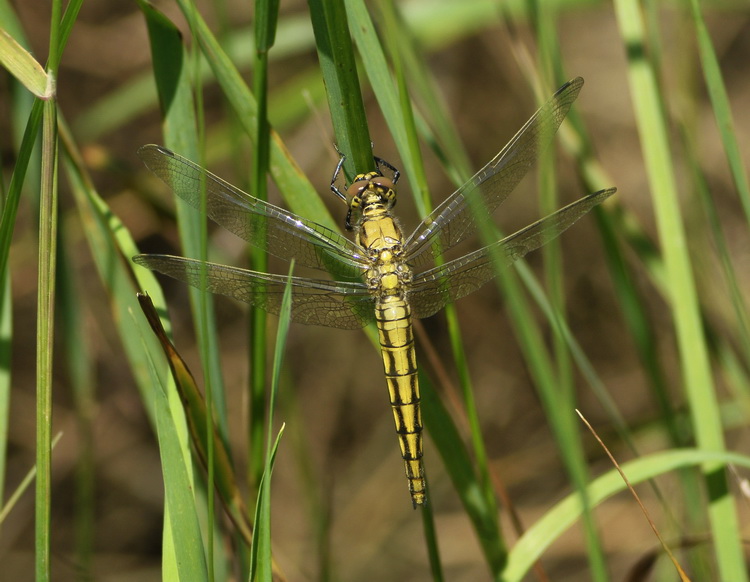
184	535
261	563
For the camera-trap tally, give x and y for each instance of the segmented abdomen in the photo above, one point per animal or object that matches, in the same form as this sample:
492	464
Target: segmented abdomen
393	317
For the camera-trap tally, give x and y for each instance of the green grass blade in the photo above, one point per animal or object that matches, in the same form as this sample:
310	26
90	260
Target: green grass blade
10	207
719	240
725	123
261	565
339	69
11	23
696	371
67	23
184	534
180	134
45	333
77	360
721	108
24	67
299	194
615	225
559	412
17	495
376	68
6	336
446	141
551	67
564	514
431	543
199	427
266	22
547	377
400	53
266	18
459	466
110	244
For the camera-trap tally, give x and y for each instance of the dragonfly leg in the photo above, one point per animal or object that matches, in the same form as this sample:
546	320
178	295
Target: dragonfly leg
382	162
336	173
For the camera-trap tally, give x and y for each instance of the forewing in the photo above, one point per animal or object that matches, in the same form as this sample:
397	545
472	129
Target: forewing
432	289
316	302
455	219
263	225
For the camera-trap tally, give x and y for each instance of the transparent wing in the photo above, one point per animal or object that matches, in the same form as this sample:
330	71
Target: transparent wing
433	288
263	225
455	219
316	302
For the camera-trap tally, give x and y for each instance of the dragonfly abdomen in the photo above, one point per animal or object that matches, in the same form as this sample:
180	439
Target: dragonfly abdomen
393	316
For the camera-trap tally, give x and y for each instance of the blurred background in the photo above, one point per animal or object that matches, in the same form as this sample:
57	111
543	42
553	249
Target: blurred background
339	430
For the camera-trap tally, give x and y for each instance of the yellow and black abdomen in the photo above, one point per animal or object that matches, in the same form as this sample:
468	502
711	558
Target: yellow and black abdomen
393	316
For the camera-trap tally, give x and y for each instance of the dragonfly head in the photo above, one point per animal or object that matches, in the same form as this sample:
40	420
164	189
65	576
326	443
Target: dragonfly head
368	189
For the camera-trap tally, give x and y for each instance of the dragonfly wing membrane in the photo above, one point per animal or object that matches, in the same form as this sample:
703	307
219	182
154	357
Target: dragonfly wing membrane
433	288
314	302
263	225
456	218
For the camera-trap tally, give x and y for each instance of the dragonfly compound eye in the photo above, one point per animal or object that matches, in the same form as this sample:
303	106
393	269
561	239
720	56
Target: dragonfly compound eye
357	187
385	187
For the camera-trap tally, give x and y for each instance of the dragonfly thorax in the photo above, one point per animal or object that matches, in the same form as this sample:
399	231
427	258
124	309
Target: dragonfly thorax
381	238
377	231
389	275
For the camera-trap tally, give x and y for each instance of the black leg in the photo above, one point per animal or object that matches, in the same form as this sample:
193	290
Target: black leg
381	162
336	173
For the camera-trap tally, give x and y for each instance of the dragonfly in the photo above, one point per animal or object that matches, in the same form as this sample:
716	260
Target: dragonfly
381	276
